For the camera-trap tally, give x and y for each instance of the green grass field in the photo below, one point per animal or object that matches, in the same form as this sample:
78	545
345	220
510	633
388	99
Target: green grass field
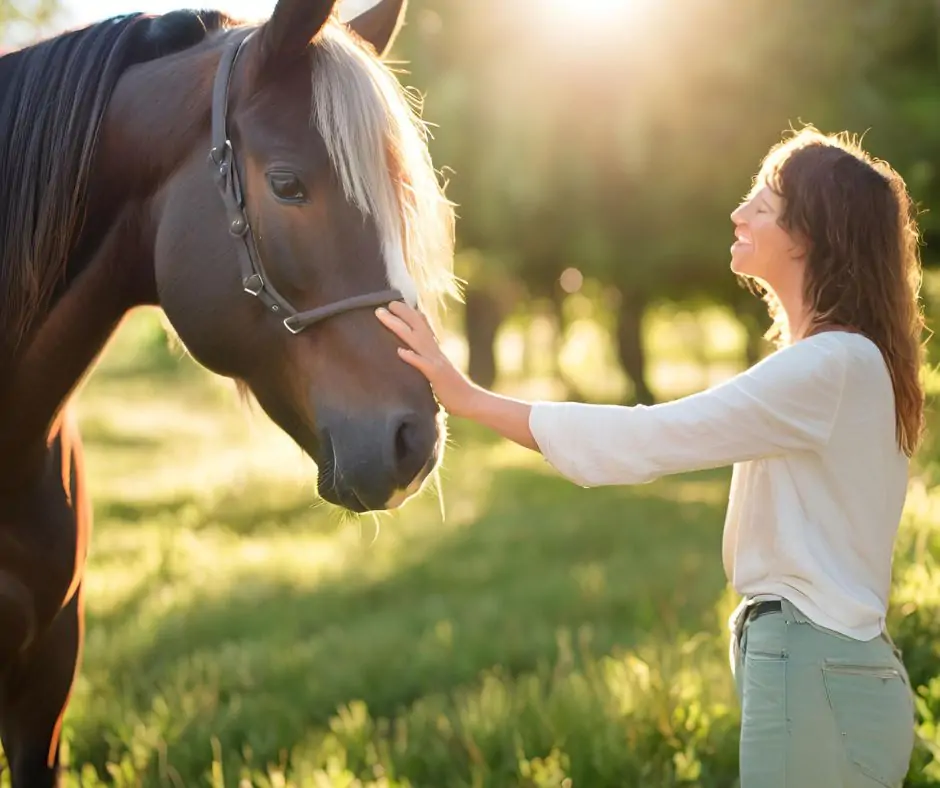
239	633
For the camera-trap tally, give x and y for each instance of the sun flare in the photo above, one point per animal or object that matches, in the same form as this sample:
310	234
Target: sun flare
591	20
589	10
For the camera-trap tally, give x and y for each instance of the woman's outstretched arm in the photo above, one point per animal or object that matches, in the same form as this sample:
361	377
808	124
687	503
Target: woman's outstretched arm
786	402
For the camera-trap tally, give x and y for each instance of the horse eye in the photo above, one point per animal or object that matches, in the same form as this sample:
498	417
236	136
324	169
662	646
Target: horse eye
287	187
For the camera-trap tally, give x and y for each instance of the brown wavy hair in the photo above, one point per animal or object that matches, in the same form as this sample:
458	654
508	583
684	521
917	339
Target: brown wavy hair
858	221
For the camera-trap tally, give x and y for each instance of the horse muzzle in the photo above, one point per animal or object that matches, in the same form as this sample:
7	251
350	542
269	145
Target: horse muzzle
376	463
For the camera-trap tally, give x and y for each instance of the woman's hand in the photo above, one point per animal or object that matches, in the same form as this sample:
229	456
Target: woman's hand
458	395
454	391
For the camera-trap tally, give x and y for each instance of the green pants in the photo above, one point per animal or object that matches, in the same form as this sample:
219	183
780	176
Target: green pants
818	709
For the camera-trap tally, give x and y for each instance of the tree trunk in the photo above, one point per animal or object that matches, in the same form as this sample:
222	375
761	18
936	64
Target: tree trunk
630	343
750	316
483	317
573	390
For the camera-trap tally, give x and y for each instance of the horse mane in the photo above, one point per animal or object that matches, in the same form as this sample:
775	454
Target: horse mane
53	98
377	143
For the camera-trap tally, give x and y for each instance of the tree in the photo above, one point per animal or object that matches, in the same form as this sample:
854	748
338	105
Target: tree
622	147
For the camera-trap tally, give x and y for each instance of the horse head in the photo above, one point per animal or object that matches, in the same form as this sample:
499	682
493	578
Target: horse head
313	200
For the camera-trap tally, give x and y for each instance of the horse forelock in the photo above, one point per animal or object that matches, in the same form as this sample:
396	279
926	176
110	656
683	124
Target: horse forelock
377	143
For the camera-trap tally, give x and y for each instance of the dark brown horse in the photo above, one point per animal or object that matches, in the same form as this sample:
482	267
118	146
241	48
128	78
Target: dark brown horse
266	187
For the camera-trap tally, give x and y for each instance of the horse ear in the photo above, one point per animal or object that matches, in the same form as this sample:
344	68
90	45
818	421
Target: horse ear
286	35
379	25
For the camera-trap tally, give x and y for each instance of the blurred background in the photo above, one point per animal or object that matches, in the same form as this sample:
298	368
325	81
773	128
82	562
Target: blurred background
508	628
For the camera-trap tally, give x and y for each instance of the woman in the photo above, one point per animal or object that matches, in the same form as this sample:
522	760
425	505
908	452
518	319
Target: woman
820	434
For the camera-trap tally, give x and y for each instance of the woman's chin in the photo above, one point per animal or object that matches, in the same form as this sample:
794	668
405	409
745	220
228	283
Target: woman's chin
742	264
738	267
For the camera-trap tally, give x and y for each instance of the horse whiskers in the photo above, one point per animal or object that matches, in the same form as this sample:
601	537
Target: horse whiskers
335	471
332	470
378	528
436	483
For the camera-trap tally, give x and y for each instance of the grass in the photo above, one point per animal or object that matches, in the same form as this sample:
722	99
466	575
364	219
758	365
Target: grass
241	634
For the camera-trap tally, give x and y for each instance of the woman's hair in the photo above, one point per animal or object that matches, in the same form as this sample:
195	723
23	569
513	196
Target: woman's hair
856	218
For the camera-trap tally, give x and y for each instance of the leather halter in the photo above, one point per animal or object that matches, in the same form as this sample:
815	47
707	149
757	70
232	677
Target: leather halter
225	171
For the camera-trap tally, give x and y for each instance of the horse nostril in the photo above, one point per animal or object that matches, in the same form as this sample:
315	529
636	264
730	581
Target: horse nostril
371	461
401	443
413	444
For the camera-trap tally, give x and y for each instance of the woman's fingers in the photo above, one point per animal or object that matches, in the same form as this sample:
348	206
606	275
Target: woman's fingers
396	325
403	311
425	354
418	362
410	326
423	351
411	317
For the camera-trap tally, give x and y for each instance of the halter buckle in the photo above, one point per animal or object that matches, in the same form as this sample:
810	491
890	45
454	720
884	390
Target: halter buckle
253	284
289	327
220	160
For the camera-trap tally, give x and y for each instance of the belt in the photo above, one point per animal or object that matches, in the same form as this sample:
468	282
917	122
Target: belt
751	611
762	608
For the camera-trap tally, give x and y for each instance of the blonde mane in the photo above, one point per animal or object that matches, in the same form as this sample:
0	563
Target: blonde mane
378	146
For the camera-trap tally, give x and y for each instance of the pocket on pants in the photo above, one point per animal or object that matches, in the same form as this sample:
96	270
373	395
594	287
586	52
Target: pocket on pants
873	708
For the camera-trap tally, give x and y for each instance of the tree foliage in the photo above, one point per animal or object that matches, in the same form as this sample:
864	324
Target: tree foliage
21	20
621	144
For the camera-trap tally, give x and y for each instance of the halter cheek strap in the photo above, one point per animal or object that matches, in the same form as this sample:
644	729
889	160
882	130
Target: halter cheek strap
224	169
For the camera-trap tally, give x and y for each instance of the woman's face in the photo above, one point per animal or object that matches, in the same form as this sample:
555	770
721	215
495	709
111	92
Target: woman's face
764	250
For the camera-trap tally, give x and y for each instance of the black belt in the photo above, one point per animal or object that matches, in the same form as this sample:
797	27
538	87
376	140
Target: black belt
762	608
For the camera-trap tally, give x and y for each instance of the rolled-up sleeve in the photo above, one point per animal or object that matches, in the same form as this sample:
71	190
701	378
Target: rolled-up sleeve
786	402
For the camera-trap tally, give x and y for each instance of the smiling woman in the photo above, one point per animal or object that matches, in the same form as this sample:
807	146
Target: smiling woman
819	434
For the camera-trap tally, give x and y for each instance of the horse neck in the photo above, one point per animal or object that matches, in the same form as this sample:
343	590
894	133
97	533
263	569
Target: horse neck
159	114
63	350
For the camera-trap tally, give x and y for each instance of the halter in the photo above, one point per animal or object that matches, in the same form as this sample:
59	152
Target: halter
225	171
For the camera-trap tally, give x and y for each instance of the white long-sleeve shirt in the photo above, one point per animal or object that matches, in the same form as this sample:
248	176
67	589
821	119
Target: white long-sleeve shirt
818	484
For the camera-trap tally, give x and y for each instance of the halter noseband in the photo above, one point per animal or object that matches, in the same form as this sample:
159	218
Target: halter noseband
225	171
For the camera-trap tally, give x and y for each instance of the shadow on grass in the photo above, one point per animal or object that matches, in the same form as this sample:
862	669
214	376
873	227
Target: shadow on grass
543	558
268	511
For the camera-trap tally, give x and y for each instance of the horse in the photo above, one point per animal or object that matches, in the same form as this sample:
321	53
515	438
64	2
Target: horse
266	185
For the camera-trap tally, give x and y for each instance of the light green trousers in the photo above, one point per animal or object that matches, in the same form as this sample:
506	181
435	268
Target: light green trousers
819	709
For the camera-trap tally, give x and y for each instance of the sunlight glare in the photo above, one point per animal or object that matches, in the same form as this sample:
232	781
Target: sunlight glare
591	23
588	10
